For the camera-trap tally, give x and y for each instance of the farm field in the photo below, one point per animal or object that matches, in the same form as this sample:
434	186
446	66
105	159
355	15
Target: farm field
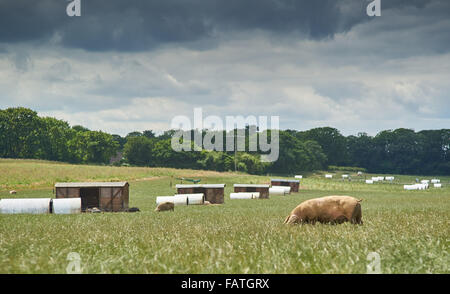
408	229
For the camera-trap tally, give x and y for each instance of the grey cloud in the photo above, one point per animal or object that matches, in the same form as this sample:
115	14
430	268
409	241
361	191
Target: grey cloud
22	61
59	72
22	20
142	25
284	58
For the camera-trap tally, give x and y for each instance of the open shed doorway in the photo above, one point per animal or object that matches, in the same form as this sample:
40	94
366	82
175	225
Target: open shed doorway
90	198
198	190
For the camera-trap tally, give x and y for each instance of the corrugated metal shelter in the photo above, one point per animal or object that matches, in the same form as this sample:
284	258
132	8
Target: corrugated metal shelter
294	184
214	193
262	189
107	196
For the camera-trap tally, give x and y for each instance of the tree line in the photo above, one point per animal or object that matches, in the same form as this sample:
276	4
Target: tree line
24	134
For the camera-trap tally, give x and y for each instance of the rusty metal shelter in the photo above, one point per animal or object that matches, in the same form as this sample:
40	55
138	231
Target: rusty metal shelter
107	196
213	193
294	184
262	189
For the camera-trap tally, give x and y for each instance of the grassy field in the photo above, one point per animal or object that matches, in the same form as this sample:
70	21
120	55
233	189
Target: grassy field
408	229
30	174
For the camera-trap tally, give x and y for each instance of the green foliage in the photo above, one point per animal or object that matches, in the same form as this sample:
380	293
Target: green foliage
139	151
220	161
149	134
79	128
134	134
92	147
360	150
251	164
23	134
296	155
435	151
213	160
55	134
121	141
332	142
166	156
402	151
346	168
20	133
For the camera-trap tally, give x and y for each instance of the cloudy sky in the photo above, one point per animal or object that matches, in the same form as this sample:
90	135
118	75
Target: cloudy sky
135	64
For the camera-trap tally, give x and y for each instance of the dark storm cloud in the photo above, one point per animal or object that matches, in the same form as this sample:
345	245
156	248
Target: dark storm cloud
22	20
141	25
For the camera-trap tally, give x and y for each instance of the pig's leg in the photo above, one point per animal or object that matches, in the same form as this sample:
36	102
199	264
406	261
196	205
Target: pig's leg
357	215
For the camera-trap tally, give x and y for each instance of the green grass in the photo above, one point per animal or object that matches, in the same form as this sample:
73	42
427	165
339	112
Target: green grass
408	229
26	174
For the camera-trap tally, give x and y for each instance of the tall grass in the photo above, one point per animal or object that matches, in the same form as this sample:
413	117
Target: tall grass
25	174
408	229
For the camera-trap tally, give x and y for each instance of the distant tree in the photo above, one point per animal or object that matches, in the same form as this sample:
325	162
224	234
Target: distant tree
149	134
166	156
23	134
120	141
296	156
167	135
332	142
139	151
54	137
252	163
316	158
435	155
3	133
397	151
213	160
360	151
79	128
20	131
92	147
134	134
